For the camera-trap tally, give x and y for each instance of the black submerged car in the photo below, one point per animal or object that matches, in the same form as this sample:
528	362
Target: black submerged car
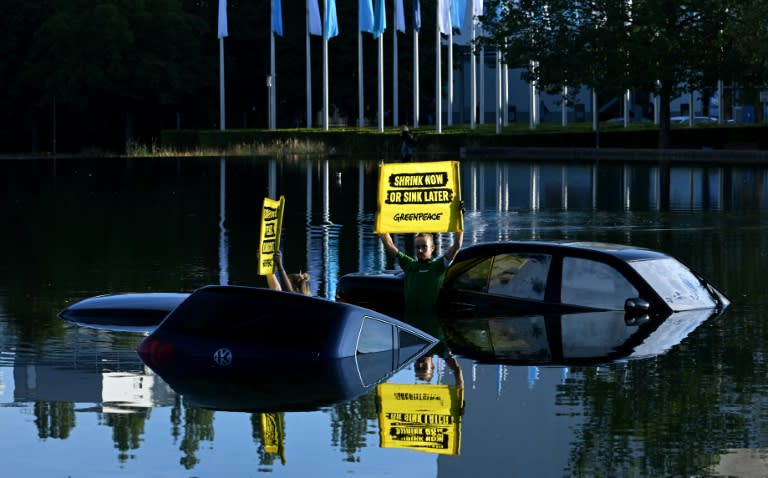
540	277
224	330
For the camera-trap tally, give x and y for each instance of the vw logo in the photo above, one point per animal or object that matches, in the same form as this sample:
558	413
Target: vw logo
223	357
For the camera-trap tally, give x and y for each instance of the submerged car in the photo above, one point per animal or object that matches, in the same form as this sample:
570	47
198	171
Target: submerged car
517	278
224	330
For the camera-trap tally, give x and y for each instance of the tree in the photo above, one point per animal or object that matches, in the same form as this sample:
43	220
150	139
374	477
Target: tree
107	59
668	47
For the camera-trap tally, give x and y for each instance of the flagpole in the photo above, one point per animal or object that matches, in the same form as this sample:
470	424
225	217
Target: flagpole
395	119
499	91
273	82
325	79
473	80
450	76
481	119
222	116
326	28
309	77
438	79
415	78
381	82
360	109
505	105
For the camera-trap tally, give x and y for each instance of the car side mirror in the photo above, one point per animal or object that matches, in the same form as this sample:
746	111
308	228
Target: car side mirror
636	310
637	305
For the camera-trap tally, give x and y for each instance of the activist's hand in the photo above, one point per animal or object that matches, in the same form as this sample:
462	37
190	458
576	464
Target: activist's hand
461	207
278	260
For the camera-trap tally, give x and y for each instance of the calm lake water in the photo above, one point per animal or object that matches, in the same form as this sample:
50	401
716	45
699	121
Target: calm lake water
79	402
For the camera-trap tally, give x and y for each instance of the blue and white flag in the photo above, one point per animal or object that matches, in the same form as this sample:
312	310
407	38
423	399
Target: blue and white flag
277	18
313	13
223	19
416	15
331	22
399	16
365	16
379	18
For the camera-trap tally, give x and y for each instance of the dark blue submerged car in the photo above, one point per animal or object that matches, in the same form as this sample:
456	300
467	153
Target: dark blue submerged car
581	301
276	350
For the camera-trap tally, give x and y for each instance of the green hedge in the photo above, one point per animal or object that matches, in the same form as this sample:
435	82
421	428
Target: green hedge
371	142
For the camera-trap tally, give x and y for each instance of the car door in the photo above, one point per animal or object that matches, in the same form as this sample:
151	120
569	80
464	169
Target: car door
506	283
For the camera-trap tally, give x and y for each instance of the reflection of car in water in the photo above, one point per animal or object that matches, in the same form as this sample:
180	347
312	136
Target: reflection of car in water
276	350
612	289
568	339
272	386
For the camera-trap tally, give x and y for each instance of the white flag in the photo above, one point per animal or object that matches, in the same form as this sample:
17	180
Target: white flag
315	26
399	16
223	18
444	16
477	7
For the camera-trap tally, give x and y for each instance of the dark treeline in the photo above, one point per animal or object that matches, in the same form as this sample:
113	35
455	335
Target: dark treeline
662	47
80	74
84	74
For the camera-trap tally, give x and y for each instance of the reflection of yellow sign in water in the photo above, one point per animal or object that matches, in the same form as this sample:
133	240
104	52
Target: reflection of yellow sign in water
419	197
271	224
420	417
272	433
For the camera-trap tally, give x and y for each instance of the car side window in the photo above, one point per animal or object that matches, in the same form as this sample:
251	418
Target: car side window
475	278
523	276
594	284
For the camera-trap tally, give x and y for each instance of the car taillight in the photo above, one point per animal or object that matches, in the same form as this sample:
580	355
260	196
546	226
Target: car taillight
156	352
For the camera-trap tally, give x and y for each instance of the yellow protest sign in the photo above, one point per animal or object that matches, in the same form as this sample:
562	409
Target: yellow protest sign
272	434
419	197
420	417
271	225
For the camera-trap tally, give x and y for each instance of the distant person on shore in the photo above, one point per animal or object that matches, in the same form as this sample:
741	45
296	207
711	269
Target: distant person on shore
408	145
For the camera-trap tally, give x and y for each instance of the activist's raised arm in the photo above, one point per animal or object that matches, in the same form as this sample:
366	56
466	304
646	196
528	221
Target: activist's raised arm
458	236
458	240
272	281
389	244
281	269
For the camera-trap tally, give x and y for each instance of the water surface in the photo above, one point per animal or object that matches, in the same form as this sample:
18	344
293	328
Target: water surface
78	402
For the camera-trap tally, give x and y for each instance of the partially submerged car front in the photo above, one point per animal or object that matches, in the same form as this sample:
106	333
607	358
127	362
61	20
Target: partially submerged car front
539	277
571	303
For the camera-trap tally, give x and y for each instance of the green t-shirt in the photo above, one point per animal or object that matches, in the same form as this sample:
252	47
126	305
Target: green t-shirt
422	283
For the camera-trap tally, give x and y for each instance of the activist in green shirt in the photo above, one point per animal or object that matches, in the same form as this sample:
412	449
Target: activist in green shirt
423	273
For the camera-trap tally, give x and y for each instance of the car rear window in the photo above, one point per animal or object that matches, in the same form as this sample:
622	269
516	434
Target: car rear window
375	336
675	283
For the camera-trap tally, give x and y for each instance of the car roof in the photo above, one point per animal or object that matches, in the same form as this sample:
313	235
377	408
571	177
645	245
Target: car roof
622	252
